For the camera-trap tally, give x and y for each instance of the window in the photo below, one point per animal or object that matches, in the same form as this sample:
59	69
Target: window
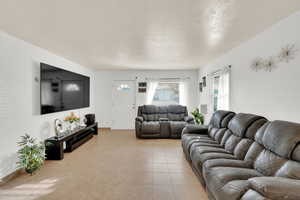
220	89
166	93
216	82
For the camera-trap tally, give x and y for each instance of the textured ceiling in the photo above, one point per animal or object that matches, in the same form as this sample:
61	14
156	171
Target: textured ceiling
140	34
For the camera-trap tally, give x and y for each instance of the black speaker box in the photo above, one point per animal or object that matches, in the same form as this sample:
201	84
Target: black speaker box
90	119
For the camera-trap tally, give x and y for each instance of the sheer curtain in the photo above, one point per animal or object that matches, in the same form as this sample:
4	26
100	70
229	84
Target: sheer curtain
152	85
223	89
183	88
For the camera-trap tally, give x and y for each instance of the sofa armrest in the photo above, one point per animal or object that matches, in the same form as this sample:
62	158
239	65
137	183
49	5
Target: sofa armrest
189	119
163	119
196	129
276	188
140	119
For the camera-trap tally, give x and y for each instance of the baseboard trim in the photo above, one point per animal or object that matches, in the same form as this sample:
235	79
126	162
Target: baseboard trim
10	176
105	128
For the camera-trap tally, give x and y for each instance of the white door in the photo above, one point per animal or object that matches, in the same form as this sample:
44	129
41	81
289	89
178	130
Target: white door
123	104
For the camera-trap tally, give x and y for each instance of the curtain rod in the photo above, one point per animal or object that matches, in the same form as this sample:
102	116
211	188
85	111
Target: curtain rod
166	79
219	70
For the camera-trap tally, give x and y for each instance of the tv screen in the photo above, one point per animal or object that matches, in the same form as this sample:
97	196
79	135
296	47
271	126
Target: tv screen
63	90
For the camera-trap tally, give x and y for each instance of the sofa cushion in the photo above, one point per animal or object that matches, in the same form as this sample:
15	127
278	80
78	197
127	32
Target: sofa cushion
218	117
202	142
268	163
252	130
197	129
218	136
253	152
252	194
150	117
232	142
209	149
177	109
177	112
176	127
290	169
240	123
176	117
232	190
162	112
296	153
282	137
225	137
149	109
227	119
214	155
189	139
242	148
199	159
150	127
154	113
276	188
217	177
226	163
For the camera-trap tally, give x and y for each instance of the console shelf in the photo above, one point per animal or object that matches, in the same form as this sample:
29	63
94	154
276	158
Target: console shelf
56	146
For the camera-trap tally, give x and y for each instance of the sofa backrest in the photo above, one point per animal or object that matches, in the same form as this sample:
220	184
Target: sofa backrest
219	124
177	112
273	148
235	132
241	133
278	149
237	137
154	113
220	119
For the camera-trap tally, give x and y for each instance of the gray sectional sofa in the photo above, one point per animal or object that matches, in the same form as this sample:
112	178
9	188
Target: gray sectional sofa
161	121
245	157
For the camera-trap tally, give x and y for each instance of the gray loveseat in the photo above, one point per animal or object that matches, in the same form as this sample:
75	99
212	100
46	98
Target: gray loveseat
161	121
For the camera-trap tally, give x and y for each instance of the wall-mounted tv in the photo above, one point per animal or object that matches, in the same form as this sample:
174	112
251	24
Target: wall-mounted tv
63	90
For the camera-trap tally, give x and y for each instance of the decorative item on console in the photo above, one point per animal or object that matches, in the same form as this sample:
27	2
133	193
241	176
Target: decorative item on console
73	121
59	129
90	119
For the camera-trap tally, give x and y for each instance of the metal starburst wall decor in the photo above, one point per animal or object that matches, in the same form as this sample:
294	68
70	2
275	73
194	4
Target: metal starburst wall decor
286	54
270	64
257	64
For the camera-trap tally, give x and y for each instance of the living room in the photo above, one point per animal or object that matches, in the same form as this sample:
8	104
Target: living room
176	100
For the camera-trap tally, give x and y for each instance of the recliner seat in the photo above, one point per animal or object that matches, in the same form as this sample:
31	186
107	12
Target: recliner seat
252	159
161	121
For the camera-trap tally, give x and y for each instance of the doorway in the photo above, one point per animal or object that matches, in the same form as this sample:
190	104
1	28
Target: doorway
123	104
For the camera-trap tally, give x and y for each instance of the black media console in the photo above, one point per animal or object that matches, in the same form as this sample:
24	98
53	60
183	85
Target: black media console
56	146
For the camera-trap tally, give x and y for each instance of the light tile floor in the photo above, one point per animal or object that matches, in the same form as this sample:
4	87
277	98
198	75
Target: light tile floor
112	166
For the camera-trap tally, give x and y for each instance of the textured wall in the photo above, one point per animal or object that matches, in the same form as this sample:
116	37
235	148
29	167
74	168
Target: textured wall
20	96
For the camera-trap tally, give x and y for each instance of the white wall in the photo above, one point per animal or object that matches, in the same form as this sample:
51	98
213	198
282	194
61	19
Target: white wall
272	94
20	96
104	81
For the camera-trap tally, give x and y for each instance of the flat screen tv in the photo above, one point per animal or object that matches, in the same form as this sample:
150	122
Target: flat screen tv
63	90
